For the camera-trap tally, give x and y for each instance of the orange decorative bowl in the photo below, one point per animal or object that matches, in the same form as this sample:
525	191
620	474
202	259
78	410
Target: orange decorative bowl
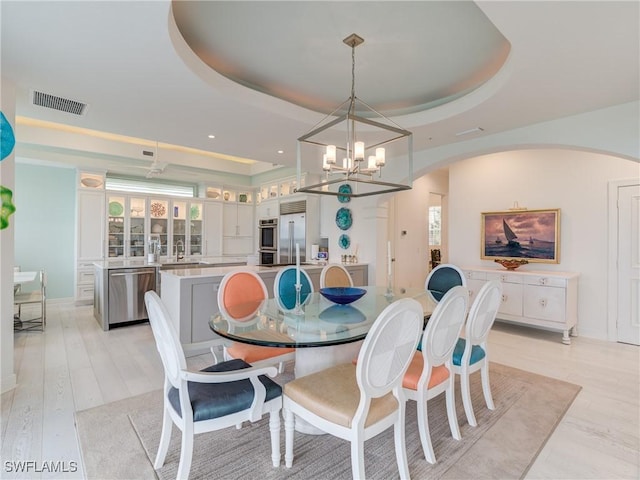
511	264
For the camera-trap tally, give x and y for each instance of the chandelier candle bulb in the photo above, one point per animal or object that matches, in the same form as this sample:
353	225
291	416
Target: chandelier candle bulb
380	157
331	154
359	151
325	163
372	163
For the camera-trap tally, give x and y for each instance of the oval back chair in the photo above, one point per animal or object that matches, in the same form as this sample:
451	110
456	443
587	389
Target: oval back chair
240	295
335	275
430	373
470	354
284	288
442	278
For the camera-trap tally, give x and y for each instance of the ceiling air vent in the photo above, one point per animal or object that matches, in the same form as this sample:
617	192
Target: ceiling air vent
58	103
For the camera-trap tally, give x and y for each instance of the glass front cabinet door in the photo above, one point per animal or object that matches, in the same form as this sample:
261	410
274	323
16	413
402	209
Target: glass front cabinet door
126	226
159	223
116	226
137	227
195	229
187	228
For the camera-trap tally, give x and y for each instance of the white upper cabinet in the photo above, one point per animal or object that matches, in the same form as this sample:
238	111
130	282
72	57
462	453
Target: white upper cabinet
90	223
212	228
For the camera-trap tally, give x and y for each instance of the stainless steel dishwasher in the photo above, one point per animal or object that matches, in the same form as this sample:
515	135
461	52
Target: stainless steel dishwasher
127	287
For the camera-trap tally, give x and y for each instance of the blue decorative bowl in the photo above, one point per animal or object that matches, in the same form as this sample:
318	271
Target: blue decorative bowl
342	295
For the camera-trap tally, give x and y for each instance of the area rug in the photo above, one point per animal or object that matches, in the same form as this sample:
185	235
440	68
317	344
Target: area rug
120	440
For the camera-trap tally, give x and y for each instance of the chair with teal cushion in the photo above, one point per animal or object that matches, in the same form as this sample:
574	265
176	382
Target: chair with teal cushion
284	288
470	354
220	396
443	278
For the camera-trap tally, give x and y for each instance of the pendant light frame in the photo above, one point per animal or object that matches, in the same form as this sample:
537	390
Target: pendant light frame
356	171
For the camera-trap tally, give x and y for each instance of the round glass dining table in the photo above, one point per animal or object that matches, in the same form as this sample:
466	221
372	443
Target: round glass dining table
323	333
319	325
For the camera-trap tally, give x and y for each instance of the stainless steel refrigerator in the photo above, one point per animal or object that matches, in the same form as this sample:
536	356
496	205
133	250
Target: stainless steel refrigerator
292	231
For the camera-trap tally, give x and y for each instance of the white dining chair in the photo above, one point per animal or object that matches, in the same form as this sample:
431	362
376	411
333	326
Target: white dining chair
470	353
443	278
357	402
220	396
335	275
430	371
240	295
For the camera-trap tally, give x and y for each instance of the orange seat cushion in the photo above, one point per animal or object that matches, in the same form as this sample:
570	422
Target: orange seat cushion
242	295
255	353
438	374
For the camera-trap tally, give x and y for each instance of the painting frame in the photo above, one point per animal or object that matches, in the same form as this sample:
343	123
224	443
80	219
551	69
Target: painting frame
532	235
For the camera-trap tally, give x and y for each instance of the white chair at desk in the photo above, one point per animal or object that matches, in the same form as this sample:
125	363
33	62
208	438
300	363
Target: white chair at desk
35	297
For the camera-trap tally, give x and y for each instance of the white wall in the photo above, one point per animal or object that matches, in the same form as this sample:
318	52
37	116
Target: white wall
410	212
574	181
45	225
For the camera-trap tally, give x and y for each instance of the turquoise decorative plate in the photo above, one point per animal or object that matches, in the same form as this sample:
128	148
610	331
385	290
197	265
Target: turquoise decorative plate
344	188
344	241
344	219
115	209
195	212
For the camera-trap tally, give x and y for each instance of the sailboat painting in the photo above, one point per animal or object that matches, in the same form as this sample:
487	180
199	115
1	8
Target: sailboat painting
521	234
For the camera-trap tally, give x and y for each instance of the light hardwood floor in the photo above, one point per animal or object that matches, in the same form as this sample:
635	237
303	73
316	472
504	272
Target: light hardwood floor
74	365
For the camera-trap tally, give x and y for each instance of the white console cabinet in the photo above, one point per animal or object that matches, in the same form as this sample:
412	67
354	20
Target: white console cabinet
542	299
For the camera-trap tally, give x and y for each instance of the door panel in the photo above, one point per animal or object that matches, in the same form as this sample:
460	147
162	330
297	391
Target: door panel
628	264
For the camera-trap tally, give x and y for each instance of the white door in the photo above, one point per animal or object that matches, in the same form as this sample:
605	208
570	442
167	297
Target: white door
629	264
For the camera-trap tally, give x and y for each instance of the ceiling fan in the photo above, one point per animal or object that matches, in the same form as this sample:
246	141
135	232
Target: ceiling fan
156	168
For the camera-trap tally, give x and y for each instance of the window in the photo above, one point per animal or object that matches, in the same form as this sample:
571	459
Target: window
151	187
435	226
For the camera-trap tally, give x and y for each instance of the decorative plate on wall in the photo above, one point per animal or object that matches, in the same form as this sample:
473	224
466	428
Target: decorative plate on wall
195	212
344	241
344	219
344	188
157	209
115	209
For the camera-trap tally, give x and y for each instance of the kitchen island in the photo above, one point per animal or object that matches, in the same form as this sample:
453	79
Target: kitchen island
191	295
119	285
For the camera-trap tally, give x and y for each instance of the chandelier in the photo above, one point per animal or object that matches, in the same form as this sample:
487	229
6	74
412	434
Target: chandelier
353	143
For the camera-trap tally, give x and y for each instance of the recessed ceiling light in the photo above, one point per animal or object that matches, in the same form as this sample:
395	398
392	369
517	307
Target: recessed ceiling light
211	136
281	151
471	130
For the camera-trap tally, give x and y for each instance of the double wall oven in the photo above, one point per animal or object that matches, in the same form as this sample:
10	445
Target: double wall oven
268	237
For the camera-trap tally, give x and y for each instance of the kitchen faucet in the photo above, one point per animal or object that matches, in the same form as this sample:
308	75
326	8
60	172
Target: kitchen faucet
179	248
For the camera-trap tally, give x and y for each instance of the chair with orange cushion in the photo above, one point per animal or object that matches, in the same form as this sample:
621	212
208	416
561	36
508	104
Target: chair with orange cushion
334	275
430	372
240	295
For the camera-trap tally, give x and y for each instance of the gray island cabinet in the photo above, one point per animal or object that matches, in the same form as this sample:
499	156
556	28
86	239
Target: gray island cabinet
191	295
120	285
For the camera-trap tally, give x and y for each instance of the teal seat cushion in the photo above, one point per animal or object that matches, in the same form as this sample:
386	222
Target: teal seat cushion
215	400
442	281
477	353
287	290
